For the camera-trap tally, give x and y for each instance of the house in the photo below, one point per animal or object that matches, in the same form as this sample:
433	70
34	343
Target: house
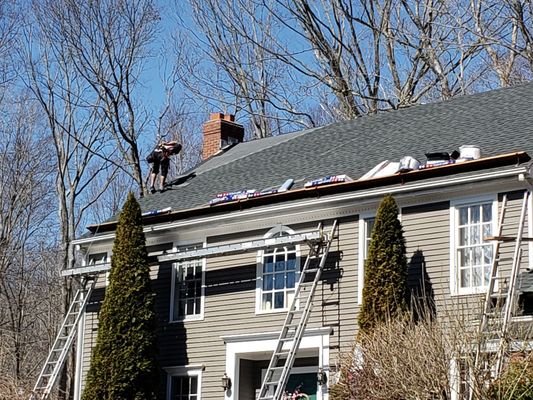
221	316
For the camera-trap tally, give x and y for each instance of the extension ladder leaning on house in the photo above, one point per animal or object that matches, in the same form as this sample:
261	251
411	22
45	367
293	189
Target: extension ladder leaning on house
500	305
319	248
63	341
290	337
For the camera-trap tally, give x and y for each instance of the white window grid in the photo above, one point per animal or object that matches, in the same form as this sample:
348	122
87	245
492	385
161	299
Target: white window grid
184	387
188	288
474	254
279	274
184	382
471	256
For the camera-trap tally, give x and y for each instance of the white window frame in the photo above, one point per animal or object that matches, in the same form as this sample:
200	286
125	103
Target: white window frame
184	371
362	253
259	271
455	289
203	261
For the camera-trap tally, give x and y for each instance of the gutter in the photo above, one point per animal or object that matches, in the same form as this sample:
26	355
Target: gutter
375	187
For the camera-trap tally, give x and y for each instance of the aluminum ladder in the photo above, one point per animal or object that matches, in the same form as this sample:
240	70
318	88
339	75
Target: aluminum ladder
63	341
291	334
499	305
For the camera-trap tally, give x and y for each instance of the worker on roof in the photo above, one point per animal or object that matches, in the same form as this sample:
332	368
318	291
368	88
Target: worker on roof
160	160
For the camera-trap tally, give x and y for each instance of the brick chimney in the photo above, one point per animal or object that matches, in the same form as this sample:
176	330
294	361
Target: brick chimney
221	130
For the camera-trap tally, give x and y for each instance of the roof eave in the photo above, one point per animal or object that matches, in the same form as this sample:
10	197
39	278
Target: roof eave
318	191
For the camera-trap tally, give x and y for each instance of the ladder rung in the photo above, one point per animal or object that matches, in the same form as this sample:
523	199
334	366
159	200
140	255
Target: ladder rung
502	295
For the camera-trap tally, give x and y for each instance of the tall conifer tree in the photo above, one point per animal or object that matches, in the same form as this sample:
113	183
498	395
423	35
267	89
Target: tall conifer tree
123	364
385	285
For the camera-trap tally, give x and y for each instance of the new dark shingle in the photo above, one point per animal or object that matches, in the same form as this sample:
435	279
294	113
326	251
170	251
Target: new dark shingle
498	122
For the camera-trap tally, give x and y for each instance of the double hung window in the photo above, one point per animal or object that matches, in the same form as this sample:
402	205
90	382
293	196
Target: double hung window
184	382
184	387
472	255
188	289
278	271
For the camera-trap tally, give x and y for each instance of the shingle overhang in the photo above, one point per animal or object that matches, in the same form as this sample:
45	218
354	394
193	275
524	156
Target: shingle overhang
324	190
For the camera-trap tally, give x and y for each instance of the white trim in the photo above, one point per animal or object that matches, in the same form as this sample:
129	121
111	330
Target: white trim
354	195
187	318
363	217
530	229
258	344
251	337
80	339
184	370
259	271
455	290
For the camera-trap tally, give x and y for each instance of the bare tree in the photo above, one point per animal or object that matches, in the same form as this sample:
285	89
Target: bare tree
234	65
108	42
28	281
79	132
348	58
505	32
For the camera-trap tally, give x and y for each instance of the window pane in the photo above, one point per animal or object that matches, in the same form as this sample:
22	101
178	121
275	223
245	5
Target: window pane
487	251
477	253
194	384
279	299
476	276
463	236
369	222
487	212
463	216
190	306
268	282
474	214
465	277
464	257
291	261
279	266
475	235
267	301
290	279
487	230
268	265
198	305
279	281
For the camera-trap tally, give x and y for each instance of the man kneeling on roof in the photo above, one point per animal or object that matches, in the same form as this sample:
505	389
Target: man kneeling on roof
160	158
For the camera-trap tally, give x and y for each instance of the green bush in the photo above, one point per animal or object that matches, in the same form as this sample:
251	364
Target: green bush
123	363
385	285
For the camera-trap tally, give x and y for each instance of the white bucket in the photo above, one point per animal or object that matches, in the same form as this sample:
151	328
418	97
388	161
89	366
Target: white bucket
468	152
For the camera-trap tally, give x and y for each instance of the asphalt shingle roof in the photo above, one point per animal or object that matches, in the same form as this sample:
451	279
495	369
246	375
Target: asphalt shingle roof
499	121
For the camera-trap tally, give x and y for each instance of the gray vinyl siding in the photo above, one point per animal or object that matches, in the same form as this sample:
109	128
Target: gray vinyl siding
230	305
230	292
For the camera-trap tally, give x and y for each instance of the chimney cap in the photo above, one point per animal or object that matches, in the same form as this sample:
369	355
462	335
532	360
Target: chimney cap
222	116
